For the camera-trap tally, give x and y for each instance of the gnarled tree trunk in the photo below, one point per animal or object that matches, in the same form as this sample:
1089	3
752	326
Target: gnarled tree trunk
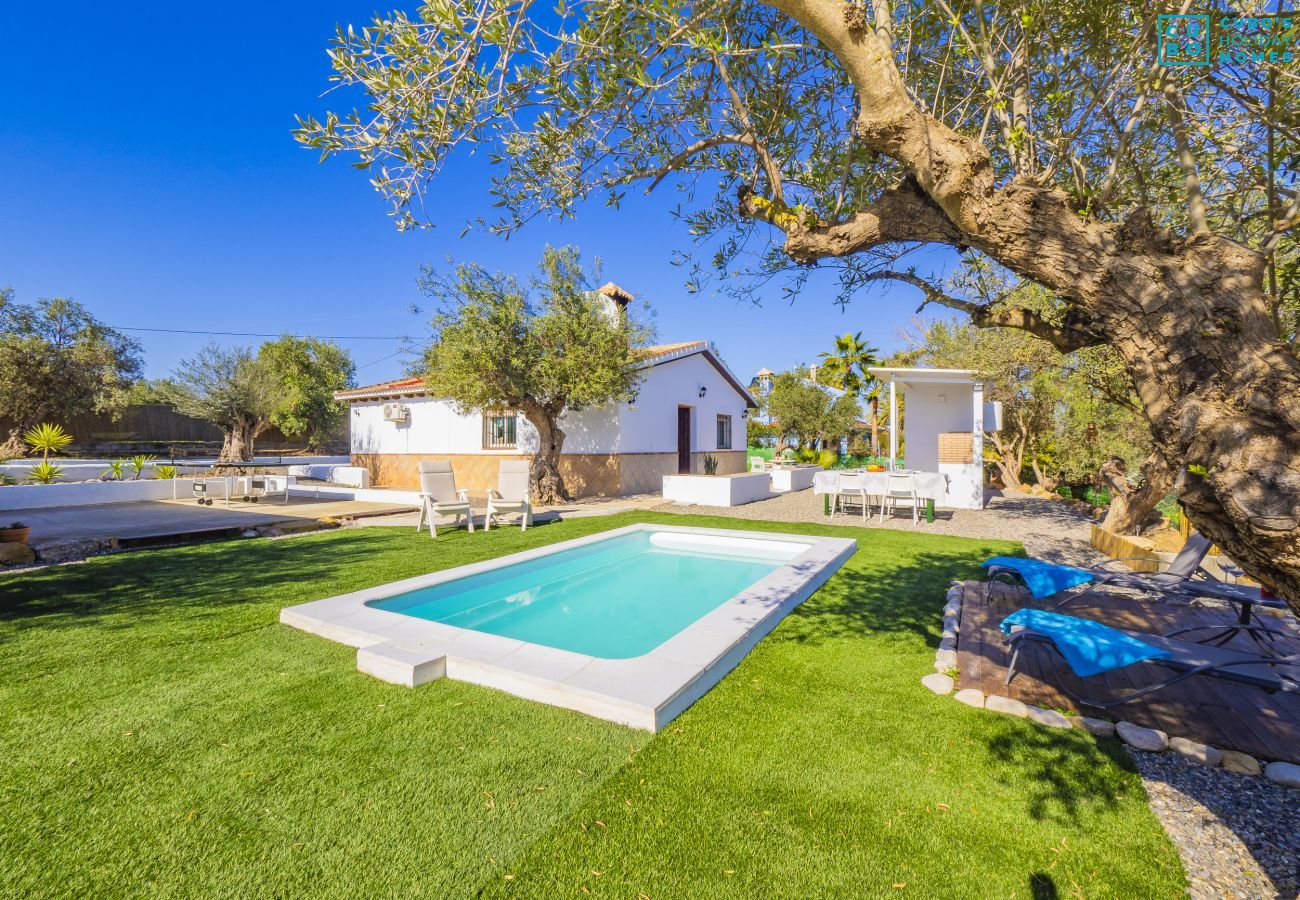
1131	508
546	482
1010	459
1188	316
237	444
1044	481
13	445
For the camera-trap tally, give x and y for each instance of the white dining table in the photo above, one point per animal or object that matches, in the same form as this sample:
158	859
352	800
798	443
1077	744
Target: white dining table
930	486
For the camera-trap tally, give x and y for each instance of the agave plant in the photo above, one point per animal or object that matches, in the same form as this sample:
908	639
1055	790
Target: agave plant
45	473
46	439
710	464
164	472
139	462
114	470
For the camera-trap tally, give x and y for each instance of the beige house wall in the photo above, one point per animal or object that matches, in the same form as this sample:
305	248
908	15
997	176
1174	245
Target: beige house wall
585	474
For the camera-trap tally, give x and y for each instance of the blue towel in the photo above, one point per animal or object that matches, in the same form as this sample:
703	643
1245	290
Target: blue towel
1089	647
1043	579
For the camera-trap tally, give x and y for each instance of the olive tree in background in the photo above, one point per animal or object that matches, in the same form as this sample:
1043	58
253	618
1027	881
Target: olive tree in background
806	415
1156	204
542	348
289	383
307	372
232	389
58	361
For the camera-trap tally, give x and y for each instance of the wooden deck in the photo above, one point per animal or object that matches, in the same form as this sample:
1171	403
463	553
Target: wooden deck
1209	710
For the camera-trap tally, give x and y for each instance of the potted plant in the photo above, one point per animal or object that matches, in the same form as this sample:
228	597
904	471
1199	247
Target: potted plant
16	533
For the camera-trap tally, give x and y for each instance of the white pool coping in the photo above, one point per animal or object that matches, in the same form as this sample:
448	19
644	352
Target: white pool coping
644	692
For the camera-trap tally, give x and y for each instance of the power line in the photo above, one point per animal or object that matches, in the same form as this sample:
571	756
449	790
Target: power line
323	337
383	359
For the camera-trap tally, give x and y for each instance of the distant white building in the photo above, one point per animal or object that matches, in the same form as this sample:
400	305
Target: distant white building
688	405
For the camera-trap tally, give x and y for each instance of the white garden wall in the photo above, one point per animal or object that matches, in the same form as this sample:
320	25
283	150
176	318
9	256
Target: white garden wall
83	493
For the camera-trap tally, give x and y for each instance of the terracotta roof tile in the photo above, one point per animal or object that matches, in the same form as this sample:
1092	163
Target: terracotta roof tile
400	386
651	355
659	351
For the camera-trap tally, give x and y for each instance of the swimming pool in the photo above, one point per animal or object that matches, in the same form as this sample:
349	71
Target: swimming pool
615	599
632	625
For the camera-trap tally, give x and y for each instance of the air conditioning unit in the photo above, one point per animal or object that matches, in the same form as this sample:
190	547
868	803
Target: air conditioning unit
396	412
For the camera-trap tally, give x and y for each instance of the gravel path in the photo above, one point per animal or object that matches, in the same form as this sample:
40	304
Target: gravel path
1238	836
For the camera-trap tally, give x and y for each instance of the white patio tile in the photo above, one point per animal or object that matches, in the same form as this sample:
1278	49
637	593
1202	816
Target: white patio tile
644	681
545	663
695	646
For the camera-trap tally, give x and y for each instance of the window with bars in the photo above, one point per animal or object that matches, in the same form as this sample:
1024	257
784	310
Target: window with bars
724	432
500	431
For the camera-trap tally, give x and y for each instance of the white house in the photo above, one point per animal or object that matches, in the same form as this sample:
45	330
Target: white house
688	405
943	429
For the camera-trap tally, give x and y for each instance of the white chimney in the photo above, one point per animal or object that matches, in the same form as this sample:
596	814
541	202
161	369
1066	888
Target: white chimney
812	374
614	302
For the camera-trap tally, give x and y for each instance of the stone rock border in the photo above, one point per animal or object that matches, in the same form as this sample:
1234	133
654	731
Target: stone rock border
944	682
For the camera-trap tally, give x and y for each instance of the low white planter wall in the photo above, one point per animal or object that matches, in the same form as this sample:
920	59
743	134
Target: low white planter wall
799	478
83	493
717	490
352	476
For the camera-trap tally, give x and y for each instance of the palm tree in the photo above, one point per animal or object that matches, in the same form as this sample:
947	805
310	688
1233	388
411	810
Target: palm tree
875	390
848	368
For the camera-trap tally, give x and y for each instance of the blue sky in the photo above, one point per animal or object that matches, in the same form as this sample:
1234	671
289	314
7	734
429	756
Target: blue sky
147	170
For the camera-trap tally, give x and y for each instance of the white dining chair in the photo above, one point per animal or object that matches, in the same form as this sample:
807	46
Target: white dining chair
852	486
899	488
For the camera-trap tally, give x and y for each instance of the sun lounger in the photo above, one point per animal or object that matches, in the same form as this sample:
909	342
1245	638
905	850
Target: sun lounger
1185	580
1090	648
1185	566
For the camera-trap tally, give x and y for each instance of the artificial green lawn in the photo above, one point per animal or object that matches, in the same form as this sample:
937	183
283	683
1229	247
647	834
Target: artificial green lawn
164	735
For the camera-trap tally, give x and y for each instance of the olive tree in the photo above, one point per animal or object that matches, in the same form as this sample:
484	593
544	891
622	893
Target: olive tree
544	348
58	361
1045	137
307	372
807	414
230	388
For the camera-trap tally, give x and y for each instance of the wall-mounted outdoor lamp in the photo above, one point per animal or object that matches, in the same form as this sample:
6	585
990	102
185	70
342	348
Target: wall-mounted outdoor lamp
703	390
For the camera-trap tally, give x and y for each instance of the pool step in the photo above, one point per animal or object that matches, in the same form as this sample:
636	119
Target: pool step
405	663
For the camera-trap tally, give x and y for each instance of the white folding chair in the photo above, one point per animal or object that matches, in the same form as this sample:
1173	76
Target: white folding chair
852	486
757	464
439	496
899	488
511	494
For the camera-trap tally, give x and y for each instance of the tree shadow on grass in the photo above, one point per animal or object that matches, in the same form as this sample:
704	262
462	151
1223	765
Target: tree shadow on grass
1062	772
900	594
205	579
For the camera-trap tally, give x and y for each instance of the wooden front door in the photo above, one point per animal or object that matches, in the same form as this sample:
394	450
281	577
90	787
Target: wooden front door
683	440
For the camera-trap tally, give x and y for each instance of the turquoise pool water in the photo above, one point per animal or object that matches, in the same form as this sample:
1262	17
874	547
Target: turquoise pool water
616	598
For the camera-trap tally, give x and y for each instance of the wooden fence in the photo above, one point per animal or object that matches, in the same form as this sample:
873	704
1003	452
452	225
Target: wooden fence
158	423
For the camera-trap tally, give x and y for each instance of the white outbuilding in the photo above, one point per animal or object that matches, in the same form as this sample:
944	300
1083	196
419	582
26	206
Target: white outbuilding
945	417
